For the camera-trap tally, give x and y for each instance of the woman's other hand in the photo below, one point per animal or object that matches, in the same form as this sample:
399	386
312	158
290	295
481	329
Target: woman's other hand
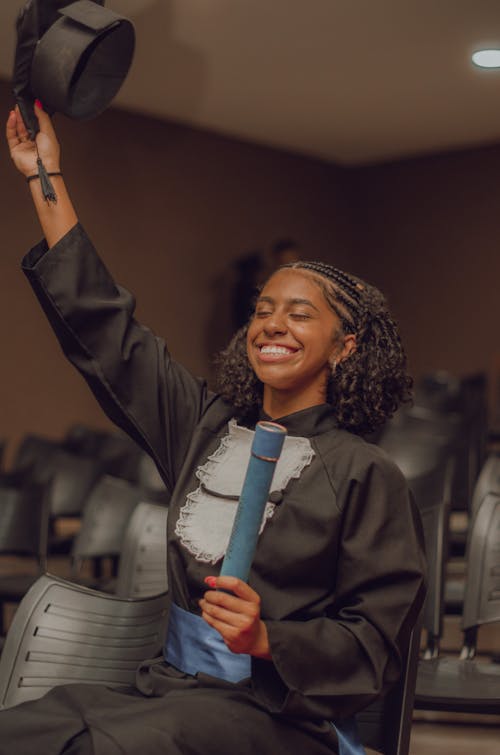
24	151
236	616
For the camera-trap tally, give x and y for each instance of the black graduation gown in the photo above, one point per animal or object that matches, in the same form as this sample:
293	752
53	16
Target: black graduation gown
339	567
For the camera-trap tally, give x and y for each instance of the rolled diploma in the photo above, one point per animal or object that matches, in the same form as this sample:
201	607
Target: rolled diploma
265	452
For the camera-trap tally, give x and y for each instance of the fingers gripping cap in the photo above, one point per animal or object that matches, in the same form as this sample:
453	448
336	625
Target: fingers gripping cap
81	60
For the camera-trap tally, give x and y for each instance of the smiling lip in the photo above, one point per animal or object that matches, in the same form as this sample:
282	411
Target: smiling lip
275	352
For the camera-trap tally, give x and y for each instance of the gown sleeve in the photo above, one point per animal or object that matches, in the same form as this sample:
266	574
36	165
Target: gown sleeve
333	665
142	390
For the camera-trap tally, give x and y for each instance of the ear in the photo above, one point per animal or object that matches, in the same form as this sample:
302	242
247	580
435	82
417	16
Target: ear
348	347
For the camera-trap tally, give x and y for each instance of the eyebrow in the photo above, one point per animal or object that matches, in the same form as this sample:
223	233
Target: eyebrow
290	302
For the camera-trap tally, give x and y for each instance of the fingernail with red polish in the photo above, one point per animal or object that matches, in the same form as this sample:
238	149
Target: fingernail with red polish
38	104
210	581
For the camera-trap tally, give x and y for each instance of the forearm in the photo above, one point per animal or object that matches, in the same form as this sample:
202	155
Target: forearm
56	218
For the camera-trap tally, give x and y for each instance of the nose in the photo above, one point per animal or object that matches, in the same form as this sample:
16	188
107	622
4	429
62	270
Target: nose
275	324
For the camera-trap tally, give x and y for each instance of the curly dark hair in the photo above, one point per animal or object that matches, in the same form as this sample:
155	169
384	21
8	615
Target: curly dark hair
365	389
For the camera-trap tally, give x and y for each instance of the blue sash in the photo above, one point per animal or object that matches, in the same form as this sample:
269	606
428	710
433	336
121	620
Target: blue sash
347	734
192	646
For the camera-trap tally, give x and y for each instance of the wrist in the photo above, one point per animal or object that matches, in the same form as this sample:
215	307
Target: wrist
49	167
36	176
43	178
31	170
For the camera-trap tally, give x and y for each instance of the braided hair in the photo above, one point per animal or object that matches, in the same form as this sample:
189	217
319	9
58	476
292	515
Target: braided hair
367	387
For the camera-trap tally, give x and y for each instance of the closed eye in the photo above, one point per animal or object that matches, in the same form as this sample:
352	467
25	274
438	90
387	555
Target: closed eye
262	313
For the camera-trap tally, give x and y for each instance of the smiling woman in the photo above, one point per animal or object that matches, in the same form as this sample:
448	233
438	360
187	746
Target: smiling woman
281	664
292	340
318	334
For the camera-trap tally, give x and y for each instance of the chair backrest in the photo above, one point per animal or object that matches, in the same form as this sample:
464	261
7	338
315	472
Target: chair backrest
119	456
465	399
385	725
72	479
70	475
428	465
488	481
143	560
24	519
423	422
64	633
83	439
32	455
149	478
105	518
482	586
431	493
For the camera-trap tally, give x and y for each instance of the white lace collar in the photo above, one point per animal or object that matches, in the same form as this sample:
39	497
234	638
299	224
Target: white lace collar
206	519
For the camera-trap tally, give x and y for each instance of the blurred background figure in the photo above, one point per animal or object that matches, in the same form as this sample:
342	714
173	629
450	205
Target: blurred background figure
251	271
284	251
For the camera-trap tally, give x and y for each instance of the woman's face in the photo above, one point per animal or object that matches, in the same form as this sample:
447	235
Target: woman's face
292	338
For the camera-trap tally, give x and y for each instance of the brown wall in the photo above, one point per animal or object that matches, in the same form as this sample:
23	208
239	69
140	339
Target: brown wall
169	208
428	231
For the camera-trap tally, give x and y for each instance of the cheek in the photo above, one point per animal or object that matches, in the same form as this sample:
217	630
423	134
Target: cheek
252	332
250	337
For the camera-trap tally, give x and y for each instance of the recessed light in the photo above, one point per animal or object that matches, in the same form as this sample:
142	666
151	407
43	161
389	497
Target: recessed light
486	58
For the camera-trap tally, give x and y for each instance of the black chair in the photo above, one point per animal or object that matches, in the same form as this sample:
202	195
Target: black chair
103	525
431	492
118	456
470	684
24	524
488	481
32	453
83	440
68	478
427	461
65	633
148	478
142	570
385	726
464	399
72	476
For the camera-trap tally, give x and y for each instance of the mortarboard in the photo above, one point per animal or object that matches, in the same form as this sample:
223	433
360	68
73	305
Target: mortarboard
72	56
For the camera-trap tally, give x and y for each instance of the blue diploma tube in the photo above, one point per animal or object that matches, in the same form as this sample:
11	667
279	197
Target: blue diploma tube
265	452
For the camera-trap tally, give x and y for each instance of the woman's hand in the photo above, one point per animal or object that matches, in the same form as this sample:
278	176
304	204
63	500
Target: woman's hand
56	217
24	151
236	617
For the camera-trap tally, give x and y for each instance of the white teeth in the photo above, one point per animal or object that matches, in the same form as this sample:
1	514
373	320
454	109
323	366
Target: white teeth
275	350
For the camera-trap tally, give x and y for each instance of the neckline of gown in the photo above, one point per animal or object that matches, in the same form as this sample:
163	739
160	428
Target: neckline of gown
307	422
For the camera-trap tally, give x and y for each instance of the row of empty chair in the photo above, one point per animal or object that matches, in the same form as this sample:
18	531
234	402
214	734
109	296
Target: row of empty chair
445	459
65	633
52	481
466	682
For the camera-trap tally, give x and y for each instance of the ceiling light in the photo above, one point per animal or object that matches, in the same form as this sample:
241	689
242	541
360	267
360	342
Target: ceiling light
487	58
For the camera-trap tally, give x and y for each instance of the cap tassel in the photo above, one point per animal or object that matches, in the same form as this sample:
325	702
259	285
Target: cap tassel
48	191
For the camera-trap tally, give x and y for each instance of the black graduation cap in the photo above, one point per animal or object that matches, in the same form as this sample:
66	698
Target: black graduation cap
72	56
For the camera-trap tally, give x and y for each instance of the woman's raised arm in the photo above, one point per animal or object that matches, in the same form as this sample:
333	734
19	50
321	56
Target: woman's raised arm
56	218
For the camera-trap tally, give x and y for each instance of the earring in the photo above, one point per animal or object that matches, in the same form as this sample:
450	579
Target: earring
333	366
